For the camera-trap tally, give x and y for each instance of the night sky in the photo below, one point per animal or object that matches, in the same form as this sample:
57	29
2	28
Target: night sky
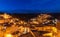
42	5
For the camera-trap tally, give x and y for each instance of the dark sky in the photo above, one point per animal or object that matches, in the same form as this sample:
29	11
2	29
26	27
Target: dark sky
48	5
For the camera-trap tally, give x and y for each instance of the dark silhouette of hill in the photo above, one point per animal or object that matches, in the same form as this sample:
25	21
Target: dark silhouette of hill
19	11
32	11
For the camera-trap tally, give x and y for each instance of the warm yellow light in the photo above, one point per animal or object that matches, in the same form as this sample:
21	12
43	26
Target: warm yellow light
8	35
48	34
6	16
54	29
